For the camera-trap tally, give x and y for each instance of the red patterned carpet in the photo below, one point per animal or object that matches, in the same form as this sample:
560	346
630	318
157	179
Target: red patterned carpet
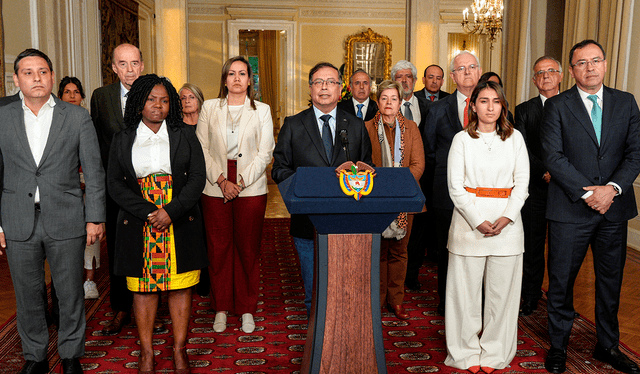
413	346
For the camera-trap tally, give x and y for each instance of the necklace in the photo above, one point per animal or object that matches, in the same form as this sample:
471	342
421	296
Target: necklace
484	137
235	120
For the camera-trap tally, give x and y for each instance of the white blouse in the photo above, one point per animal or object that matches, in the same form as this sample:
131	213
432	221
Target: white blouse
235	112
151	153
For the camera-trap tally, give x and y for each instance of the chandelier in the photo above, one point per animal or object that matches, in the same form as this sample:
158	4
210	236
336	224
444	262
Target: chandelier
487	19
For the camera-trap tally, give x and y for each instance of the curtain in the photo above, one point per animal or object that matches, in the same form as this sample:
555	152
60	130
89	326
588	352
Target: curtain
2	88
609	23
268	60
119	24
517	50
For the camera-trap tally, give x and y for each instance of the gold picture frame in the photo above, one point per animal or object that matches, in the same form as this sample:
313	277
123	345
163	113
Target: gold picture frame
370	51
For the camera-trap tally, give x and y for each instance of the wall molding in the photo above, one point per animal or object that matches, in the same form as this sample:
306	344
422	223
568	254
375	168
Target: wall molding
353	14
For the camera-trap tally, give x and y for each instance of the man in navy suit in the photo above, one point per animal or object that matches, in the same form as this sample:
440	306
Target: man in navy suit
446	117
360	105
312	138
591	147
547	75
433	79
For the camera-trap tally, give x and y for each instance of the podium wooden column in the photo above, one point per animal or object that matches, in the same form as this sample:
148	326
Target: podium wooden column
344	334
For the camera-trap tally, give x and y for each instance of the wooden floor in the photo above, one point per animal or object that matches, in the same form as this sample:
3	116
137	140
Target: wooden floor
629	315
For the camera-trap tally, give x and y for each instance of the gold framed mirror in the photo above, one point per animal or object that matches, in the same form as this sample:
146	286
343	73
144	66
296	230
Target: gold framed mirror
369	51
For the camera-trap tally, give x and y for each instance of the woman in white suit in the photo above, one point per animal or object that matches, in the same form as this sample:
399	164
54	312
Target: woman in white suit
488	178
236	133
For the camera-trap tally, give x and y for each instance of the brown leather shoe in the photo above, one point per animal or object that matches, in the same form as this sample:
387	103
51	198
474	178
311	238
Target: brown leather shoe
115	325
399	311
158	326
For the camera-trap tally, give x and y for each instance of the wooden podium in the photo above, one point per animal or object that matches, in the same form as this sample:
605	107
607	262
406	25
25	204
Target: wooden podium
344	334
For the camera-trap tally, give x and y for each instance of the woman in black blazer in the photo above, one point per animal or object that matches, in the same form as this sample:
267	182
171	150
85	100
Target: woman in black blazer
156	174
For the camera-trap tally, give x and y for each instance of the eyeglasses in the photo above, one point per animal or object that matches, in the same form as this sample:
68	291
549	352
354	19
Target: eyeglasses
462	69
330	82
583	63
549	71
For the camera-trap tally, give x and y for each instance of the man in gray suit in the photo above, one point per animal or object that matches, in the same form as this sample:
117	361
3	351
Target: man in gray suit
43	142
107	110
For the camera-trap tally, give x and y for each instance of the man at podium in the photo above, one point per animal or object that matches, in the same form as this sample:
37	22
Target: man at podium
317	137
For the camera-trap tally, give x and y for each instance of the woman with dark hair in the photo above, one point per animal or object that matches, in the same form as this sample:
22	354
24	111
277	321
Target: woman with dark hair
156	174
70	90
395	142
192	99
494	77
488	176
236	133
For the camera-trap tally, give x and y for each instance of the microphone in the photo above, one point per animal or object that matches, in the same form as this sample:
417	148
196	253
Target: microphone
345	142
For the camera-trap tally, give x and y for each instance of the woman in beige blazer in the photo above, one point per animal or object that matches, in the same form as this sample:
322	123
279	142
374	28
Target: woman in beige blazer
236	133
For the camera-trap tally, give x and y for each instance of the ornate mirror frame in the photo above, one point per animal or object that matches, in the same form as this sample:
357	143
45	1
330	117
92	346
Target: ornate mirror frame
368	36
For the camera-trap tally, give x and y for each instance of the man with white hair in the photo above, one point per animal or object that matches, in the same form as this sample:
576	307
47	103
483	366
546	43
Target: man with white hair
412	107
445	119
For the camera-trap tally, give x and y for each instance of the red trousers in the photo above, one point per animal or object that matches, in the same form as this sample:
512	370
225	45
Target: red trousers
234	231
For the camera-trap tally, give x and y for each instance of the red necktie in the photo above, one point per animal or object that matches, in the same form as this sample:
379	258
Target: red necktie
466	113
432	98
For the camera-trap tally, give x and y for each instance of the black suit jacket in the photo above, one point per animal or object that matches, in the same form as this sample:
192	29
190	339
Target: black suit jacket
300	144
106	113
442	124
422	94
528	121
573	157
347	106
9	99
188	174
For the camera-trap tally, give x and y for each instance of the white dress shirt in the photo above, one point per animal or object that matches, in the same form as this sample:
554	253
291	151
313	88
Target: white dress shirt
37	127
123	96
151	153
235	111
365	106
415	109
461	105
332	121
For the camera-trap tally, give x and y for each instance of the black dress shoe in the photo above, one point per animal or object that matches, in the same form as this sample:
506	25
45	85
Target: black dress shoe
556	361
71	366
615	358
528	306
413	285
35	367
115	325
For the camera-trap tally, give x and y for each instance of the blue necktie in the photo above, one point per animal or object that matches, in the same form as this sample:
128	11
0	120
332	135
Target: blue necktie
359	114
326	135
596	116
407	111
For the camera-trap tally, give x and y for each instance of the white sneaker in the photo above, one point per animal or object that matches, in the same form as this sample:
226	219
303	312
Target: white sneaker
90	290
220	323
248	325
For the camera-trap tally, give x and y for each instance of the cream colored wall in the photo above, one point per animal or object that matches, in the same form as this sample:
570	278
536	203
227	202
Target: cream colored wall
17	35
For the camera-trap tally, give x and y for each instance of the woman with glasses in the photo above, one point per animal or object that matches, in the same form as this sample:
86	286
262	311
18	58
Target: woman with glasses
487	176
236	133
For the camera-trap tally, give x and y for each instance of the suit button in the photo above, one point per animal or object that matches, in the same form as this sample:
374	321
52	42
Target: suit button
185	173
601	158
37	173
597	178
30	194
125	178
126	222
191	218
240	155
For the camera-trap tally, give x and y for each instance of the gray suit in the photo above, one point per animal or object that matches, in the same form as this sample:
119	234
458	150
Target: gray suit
57	230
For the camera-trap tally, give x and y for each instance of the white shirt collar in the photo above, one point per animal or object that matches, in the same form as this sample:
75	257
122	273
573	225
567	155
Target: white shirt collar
144	133
51	102
584	95
123	90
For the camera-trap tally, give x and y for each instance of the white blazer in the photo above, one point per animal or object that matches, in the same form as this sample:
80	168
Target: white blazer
255	145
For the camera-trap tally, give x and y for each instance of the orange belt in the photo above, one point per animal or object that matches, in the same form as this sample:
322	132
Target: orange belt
490	192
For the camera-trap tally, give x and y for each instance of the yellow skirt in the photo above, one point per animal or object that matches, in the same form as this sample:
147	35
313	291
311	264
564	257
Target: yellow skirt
159	272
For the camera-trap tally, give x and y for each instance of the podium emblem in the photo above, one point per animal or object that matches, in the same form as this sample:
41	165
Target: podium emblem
356	183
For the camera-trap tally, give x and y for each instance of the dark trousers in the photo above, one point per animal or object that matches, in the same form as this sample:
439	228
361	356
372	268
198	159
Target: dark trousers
26	263
120	296
535	235
423	236
568	245
443	221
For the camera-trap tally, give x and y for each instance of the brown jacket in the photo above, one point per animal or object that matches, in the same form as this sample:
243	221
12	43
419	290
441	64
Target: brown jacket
413	148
